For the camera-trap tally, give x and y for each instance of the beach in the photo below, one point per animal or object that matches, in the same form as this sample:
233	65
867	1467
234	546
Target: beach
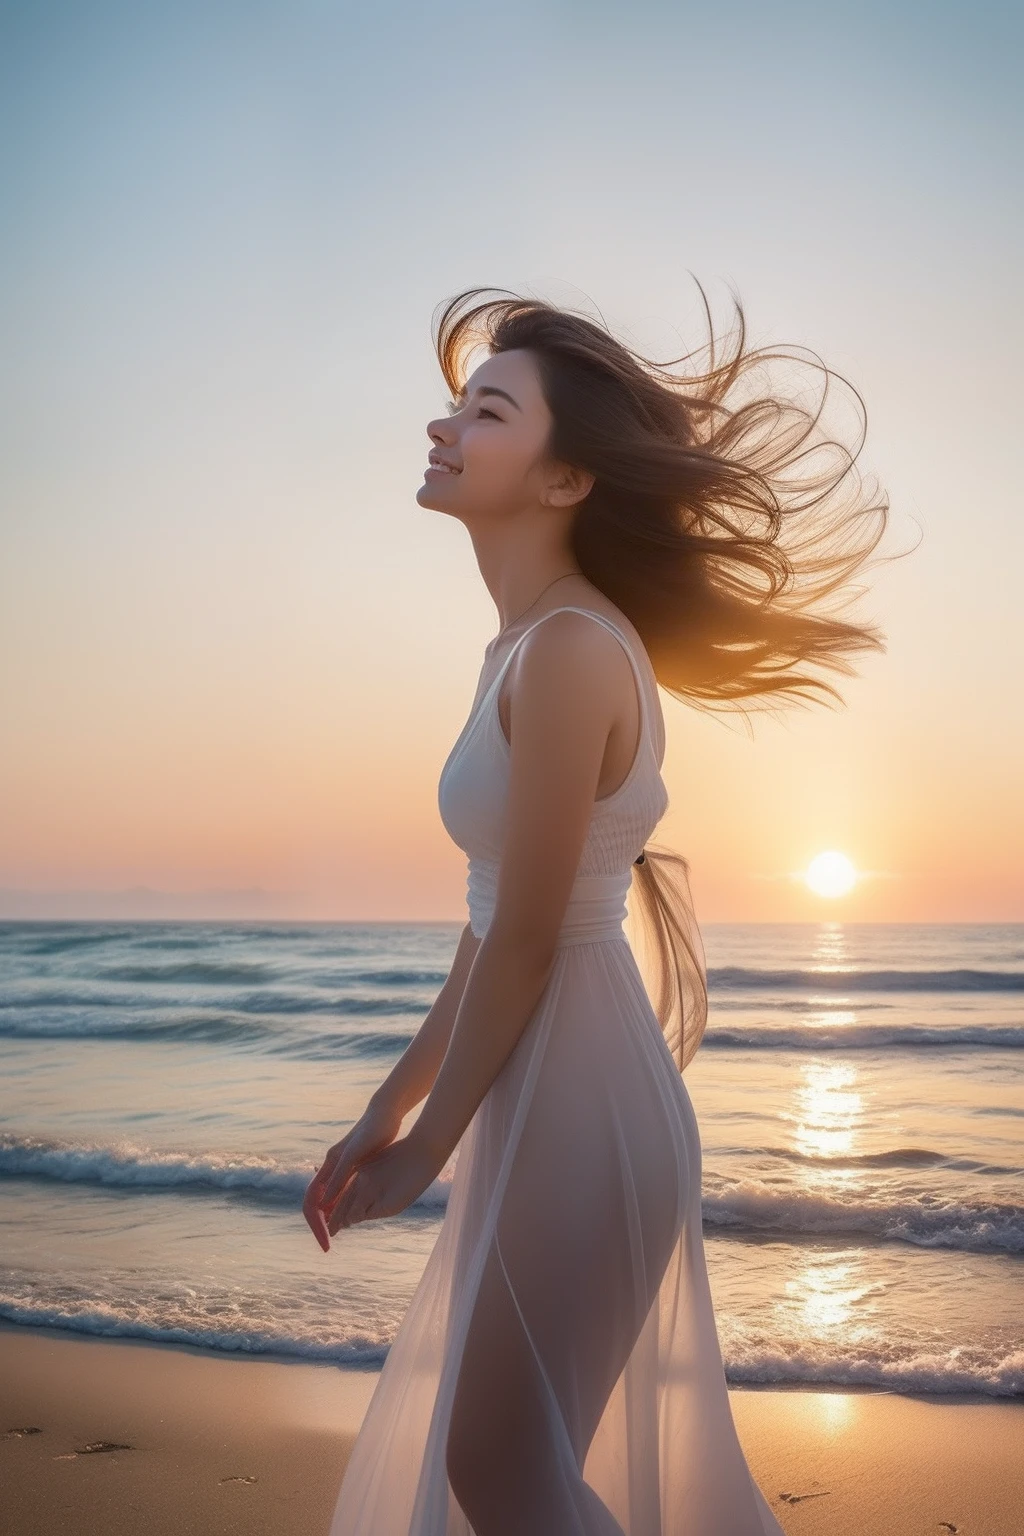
171	1088
316	405
215	1445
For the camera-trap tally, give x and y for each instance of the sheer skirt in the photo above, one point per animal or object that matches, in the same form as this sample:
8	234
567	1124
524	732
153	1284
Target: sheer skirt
558	1369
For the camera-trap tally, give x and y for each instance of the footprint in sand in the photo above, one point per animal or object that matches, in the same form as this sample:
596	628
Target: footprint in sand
796	1498
238	1479
92	1448
947	1525
29	1430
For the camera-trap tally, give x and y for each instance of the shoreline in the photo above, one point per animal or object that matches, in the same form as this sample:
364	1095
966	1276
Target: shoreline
248	1443
359	1368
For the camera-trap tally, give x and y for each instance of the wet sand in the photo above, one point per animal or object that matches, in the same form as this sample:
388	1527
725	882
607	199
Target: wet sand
118	1437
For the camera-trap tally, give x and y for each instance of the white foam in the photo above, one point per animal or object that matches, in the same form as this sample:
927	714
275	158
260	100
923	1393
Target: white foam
123	1165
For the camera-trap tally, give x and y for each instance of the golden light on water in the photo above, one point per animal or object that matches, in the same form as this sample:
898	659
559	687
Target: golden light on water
828	1115
828	1299
830	874
824	1294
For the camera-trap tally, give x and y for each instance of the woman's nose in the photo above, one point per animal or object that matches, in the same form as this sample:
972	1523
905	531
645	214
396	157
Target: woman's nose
440	430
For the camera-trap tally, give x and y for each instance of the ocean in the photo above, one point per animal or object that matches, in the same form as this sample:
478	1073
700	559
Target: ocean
167	1090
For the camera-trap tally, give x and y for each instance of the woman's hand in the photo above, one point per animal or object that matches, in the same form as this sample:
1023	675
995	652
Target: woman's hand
375	1129
386	1183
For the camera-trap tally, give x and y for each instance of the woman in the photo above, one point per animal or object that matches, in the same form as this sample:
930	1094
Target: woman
558	1371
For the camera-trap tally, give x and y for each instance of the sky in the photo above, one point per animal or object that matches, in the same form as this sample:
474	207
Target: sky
235	652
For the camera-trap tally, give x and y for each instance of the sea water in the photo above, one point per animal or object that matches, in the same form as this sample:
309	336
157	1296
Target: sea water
168	1089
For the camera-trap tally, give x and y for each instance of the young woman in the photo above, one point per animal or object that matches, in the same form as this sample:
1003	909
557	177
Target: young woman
558	1372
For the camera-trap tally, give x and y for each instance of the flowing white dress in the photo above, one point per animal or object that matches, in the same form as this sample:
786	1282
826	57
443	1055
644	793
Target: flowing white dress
567	1294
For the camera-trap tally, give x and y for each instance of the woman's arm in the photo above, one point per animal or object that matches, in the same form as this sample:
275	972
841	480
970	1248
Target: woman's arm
403	1088
567	694
503	989
568	690
412	1076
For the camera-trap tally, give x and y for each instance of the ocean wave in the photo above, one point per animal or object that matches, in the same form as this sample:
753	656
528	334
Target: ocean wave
956	1370
52	1012
265	1017
892	1157
203	973
397	978
211	1029
736	1002
862	1037
267	1000
104	1322
927	1221
215	973
895	1367
51	939
129	1167
329	1045
300	1004
735	1208
742	977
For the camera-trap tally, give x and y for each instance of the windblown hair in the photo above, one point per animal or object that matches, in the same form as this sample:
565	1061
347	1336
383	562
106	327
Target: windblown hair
726	521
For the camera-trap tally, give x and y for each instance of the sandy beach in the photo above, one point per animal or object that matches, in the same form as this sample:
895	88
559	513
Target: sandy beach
241	1444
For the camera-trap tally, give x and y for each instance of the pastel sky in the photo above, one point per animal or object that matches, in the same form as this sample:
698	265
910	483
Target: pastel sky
234	651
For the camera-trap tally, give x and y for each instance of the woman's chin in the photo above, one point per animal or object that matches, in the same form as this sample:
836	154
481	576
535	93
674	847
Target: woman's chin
428	496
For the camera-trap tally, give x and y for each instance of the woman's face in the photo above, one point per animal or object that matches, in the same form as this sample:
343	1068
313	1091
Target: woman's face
494	443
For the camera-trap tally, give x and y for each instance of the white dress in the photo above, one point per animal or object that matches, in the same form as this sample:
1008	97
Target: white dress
567	1294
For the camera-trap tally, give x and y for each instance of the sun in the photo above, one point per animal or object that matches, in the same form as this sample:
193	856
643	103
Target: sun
830	874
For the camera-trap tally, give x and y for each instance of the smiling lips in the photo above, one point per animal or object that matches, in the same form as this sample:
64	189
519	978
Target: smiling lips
445	469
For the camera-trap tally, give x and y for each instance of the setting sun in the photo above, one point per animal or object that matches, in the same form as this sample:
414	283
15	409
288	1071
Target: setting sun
830	874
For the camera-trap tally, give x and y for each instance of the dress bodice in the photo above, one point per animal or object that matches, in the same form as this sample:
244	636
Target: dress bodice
473	792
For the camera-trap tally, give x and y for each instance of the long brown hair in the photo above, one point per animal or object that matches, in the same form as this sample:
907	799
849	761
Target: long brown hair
726	521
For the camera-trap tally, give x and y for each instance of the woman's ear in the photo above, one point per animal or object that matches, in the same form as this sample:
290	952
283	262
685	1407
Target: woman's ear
568	485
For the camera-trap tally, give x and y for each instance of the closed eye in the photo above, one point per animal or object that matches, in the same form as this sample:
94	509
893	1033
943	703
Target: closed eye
454	409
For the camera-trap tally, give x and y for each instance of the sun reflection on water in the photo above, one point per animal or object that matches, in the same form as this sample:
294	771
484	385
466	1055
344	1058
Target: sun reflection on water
831	950
829	1016
827	1295
828	1114
824	1293
828	1110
